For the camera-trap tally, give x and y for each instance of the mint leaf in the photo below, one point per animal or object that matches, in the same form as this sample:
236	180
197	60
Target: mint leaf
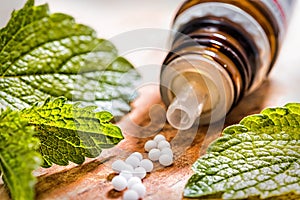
50	55
70	133
258	158
18	156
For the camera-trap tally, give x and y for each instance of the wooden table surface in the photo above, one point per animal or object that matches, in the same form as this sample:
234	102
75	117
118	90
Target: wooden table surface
113	19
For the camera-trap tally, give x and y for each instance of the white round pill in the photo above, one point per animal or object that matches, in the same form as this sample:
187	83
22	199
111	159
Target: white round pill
140	189
130	195
132	181
119	183
165	160
147	165
154	154
118	165
150	144
158	138
139	172
126	174
167	151
137	154
133	161
128	167
163	144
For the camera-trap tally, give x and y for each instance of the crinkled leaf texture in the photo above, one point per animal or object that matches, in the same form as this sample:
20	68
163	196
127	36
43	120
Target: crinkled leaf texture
257	159
43	54
18	155
69	132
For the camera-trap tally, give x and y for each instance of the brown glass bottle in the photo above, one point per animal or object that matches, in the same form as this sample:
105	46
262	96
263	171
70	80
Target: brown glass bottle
220	51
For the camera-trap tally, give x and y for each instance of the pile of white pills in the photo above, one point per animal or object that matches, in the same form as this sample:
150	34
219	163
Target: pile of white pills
159	149
131	172
134	168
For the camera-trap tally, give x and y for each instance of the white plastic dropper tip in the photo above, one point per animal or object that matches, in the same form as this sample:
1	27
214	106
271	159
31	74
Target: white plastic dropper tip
183	116
179	118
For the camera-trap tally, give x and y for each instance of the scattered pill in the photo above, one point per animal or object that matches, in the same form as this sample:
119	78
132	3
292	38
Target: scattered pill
165	160
130	195
150	144
167	151
163	144
154	154
119	183
158	138
118	165
147	165
132	181
126	174
140	189
133	161
138	155
140	172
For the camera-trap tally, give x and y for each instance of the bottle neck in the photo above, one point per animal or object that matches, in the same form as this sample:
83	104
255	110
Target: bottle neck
217	60
196	86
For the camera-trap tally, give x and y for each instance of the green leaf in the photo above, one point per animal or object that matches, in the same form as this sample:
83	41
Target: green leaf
70	133
50	55
258	159
18	156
